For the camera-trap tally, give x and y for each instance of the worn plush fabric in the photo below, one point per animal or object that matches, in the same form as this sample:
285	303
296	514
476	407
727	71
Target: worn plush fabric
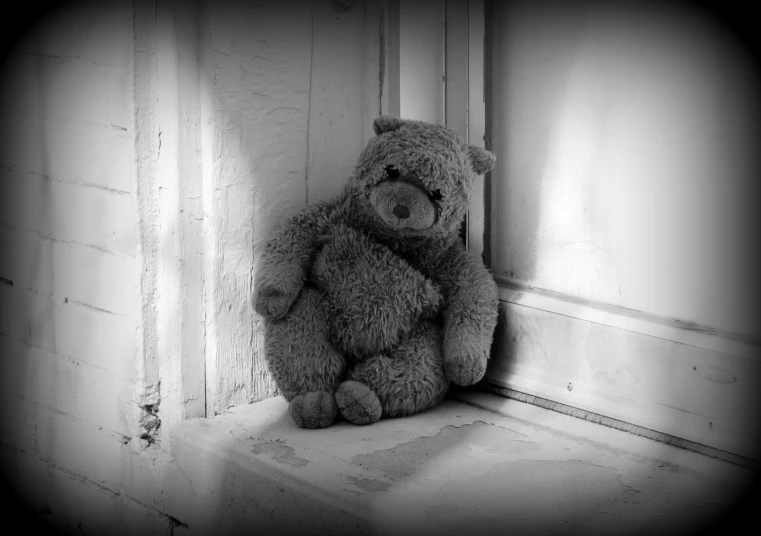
371	303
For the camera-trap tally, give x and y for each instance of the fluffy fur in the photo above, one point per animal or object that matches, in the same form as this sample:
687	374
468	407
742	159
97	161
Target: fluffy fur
371	303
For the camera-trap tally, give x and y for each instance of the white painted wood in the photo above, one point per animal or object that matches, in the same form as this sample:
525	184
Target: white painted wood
168	180
622	319
211	225
143	179
456	74
339	72
375	65
190	216
421	60
392	53
256	61
624	368
260	139
257	109
179	288
476	121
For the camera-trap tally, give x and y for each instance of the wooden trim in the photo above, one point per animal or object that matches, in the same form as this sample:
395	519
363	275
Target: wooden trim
476	132
488	111
670	329
167	104
375	91
492	398
689	384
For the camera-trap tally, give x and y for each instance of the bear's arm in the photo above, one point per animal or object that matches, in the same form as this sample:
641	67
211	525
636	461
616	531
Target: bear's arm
470	315
286	259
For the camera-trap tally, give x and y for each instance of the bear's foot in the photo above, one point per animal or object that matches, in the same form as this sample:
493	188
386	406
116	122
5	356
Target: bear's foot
315	409
358	403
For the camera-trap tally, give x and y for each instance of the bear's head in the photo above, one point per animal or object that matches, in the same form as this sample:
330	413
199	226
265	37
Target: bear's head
415	178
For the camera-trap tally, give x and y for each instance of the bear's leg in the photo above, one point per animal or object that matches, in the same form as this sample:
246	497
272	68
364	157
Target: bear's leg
305	365
408	380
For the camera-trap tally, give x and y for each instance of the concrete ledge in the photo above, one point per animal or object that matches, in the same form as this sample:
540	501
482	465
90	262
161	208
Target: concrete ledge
453	470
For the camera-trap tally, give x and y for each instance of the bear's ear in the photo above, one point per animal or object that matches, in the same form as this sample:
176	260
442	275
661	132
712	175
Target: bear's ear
481	160
387	123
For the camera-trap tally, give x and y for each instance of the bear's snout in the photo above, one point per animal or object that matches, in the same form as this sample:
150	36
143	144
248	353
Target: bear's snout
403	205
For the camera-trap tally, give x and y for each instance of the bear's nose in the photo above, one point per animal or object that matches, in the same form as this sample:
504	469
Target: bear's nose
402	212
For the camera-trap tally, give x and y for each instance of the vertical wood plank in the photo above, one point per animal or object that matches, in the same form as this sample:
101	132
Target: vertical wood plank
257	60
421	60
190	216
146	147
210	226
393	48
337	93
168	280
456	62
179	289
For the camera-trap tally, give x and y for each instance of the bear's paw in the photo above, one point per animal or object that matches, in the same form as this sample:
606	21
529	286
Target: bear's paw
358	403
315	409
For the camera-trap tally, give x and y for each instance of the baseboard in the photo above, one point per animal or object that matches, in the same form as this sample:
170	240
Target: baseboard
693	384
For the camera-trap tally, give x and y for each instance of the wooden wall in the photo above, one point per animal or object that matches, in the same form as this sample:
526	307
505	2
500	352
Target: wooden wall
252	110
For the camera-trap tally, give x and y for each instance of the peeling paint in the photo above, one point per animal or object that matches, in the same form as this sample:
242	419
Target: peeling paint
280	452
408	459
369	484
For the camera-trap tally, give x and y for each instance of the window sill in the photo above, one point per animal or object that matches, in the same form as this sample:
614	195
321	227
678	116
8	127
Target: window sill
523	467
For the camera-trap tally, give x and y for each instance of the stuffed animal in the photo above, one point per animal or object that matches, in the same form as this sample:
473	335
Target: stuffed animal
371	303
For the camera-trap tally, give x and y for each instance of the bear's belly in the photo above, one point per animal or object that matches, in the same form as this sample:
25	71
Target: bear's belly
373	297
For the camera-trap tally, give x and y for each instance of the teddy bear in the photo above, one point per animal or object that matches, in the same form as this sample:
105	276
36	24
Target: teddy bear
372	306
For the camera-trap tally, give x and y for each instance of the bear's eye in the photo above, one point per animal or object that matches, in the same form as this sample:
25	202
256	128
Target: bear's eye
392	172
435	195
